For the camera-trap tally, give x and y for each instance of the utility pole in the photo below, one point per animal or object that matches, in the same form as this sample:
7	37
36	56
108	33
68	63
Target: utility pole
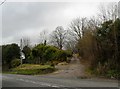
21	48
22	55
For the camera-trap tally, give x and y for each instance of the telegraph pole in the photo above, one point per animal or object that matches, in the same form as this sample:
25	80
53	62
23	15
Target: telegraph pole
22	55
21	48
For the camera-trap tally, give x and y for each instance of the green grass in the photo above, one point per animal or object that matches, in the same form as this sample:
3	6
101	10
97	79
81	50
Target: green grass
32	69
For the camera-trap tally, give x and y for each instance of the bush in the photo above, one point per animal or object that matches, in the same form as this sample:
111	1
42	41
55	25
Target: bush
49	54
15	63
43	54
113	73
63	55
68	53
30	59
9	52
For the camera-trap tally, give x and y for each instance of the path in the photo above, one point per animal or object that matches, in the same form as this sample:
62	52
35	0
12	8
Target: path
72	70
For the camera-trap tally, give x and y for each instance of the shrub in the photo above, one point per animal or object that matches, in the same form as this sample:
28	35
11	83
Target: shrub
49	54
63	55
68	53
113	73
44	53
15	63
9	52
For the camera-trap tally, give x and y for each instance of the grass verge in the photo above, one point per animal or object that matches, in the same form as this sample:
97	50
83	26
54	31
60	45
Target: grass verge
32	69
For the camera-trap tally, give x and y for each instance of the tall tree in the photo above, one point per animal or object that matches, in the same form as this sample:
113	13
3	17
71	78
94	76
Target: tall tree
58	37
108	12
77	27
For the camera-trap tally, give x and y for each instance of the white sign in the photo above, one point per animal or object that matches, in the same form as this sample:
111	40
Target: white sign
22	55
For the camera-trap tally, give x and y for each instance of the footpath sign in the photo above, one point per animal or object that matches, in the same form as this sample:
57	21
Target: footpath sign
22	56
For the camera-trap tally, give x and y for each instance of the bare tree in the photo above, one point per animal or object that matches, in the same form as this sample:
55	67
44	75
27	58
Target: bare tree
25	41
77	27
108	12
70	41
93	23
2	2
44	36
58	37
70	45
119	10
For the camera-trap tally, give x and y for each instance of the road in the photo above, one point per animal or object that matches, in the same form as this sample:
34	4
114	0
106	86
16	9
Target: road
12	80
67	76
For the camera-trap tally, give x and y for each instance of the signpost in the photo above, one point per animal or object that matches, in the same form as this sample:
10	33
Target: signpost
22	55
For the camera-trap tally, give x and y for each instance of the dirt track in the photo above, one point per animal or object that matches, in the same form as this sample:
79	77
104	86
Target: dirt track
72	70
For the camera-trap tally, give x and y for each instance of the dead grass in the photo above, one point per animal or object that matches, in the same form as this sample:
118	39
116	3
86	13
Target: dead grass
32	69
33	66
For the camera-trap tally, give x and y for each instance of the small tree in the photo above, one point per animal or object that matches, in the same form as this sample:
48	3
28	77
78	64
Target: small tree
26	50
10	52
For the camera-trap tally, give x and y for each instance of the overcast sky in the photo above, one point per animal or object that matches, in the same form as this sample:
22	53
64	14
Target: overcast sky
28	19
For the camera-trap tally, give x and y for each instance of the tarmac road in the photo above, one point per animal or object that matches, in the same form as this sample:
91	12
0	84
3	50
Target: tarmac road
12	80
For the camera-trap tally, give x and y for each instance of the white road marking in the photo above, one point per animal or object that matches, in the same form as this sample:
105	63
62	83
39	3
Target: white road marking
46	84
33	82
54	86
41	83
6	77
21	79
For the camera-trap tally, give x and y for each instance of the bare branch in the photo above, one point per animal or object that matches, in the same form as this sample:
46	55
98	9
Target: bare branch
58	37
2	2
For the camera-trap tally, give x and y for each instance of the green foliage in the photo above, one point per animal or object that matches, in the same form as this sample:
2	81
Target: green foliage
27	51
15	63
109	51
10	52
101	48
50	53
113	73
62	55
30	58
68	53
43	53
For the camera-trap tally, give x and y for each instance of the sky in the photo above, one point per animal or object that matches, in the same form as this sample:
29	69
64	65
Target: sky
28	19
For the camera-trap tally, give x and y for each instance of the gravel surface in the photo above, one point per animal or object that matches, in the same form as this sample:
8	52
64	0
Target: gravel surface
72	70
